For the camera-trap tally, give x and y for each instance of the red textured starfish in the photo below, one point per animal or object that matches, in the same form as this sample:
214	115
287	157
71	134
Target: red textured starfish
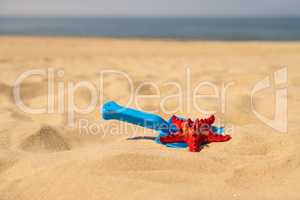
194	133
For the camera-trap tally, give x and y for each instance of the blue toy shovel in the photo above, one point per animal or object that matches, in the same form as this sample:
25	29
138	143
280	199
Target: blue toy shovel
111	110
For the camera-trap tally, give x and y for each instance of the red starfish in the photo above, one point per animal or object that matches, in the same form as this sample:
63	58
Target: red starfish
194	134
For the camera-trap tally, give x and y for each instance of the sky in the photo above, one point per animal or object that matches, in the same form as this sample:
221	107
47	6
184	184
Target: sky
150	7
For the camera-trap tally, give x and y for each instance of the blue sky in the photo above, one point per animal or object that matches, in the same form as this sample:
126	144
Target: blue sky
151	7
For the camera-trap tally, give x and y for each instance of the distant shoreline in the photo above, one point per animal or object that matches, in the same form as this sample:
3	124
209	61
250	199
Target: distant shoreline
185	29
17	36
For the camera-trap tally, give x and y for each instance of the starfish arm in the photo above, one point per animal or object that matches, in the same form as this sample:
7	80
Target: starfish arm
194	143
209	120
217	138
177	122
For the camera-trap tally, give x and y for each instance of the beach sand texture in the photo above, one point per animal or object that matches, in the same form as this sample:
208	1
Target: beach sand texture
42	158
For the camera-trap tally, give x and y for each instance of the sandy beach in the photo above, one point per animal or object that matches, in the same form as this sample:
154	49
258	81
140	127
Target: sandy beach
52	156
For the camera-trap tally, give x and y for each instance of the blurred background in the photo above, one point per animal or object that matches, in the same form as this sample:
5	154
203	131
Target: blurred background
193	19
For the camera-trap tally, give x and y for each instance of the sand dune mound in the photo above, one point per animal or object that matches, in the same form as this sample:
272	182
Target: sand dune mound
47	139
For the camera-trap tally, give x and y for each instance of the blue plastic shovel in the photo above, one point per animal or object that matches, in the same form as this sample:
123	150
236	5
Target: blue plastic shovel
111	110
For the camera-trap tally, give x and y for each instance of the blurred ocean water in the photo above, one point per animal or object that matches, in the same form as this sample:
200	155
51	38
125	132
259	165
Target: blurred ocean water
287	28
